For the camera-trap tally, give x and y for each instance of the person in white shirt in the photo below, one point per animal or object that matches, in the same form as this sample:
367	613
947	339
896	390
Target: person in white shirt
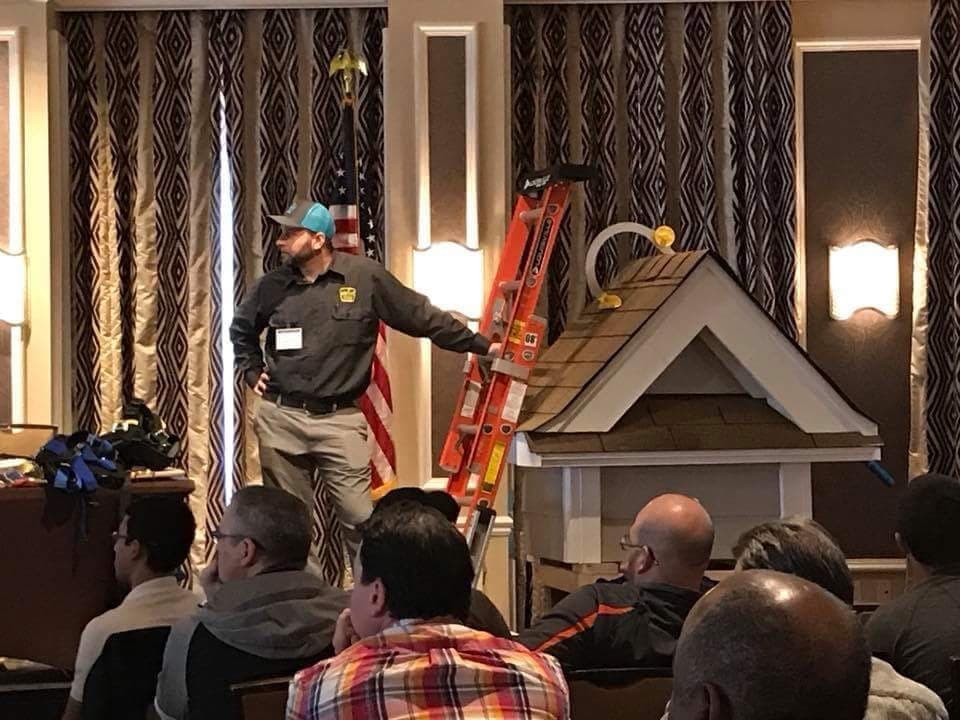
153	540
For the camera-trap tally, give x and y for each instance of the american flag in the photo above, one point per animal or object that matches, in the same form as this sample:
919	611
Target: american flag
355	234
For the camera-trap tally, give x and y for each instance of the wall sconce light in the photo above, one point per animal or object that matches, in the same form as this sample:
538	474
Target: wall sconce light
864	275
13	281
451	275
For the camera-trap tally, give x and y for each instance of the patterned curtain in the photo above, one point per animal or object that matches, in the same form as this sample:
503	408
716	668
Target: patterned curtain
687	112
943	274
763	155
150	96
141	181
699	226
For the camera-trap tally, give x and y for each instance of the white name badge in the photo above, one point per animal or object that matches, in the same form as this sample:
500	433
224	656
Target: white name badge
289	338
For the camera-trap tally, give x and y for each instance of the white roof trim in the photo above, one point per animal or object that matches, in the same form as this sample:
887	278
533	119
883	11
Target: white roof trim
758	354
522	456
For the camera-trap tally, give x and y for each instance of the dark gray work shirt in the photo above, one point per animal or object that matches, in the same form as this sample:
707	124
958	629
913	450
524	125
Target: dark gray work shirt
337	315
919	632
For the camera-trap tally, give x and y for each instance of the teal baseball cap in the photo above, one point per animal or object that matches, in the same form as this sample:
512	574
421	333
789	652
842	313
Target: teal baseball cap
310	216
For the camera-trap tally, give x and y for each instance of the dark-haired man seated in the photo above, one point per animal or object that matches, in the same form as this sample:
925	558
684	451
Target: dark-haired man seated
919	631
483	615
402	649
635	622
265	615
153	541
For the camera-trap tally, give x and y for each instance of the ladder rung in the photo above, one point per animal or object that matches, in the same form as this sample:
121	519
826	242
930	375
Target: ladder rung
510	286
530	216
510	368
468	429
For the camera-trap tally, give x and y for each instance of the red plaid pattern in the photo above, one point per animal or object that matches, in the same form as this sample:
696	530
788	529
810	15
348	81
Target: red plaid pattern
431	670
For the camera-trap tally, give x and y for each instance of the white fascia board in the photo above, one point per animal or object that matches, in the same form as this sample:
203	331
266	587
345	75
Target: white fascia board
699	457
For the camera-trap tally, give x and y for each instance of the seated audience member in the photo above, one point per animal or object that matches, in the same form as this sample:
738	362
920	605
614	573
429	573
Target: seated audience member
919	631
402	648
806	549
635	622
153	540
766	646
265	615
483	613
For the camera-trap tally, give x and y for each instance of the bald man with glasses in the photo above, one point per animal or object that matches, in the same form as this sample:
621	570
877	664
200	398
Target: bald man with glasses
635	621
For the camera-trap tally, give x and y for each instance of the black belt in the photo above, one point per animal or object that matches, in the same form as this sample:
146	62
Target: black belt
311	405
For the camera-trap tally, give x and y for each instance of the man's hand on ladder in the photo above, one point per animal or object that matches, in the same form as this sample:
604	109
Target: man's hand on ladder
485	362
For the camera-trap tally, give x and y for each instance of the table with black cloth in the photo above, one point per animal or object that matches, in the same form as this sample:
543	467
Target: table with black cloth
52	580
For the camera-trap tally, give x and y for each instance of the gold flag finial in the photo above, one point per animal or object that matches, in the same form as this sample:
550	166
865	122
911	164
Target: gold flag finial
347	63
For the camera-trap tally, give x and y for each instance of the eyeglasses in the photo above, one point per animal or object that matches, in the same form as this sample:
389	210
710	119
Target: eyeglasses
218	536
626	545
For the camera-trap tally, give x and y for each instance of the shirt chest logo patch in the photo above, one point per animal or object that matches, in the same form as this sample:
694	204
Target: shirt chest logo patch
348	294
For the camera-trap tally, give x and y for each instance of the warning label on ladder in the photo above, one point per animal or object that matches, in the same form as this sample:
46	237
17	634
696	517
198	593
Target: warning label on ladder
493	467
470	399
514	401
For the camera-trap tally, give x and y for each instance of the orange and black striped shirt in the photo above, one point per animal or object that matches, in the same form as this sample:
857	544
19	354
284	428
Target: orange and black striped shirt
614	624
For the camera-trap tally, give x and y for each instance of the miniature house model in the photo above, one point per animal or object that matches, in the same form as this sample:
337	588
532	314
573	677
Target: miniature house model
688	387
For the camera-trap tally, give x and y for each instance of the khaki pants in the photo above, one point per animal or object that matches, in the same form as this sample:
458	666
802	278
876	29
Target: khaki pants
298	449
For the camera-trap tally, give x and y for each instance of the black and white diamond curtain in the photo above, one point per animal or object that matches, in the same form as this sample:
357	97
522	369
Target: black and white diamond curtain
687	111
142	302
942	403
149	96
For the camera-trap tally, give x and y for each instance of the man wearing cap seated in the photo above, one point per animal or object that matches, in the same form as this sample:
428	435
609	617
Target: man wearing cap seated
321	311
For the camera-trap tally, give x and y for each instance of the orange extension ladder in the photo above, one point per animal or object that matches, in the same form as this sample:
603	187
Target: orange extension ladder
487	409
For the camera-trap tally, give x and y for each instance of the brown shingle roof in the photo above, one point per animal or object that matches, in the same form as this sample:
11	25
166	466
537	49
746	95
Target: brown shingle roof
696	422
590	342
655	422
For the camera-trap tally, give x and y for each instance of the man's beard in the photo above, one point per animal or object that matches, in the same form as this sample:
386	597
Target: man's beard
305	255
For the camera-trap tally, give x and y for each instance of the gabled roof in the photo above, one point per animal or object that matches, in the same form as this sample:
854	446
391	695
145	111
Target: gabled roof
590	381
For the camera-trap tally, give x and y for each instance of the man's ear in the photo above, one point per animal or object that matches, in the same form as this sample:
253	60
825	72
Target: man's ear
717	707
137	549
319	240
703	702
645	560
901	544
691	705
248	552
378	598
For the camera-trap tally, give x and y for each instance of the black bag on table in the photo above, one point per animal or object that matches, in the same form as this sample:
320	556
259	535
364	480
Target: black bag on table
141	438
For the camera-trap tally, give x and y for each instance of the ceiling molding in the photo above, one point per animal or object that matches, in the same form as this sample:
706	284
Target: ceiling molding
150	5
126	5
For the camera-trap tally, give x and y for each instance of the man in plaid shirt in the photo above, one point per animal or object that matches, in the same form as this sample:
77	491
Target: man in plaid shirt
402	650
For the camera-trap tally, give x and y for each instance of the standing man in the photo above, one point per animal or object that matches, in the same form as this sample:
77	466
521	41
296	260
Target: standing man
321	309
